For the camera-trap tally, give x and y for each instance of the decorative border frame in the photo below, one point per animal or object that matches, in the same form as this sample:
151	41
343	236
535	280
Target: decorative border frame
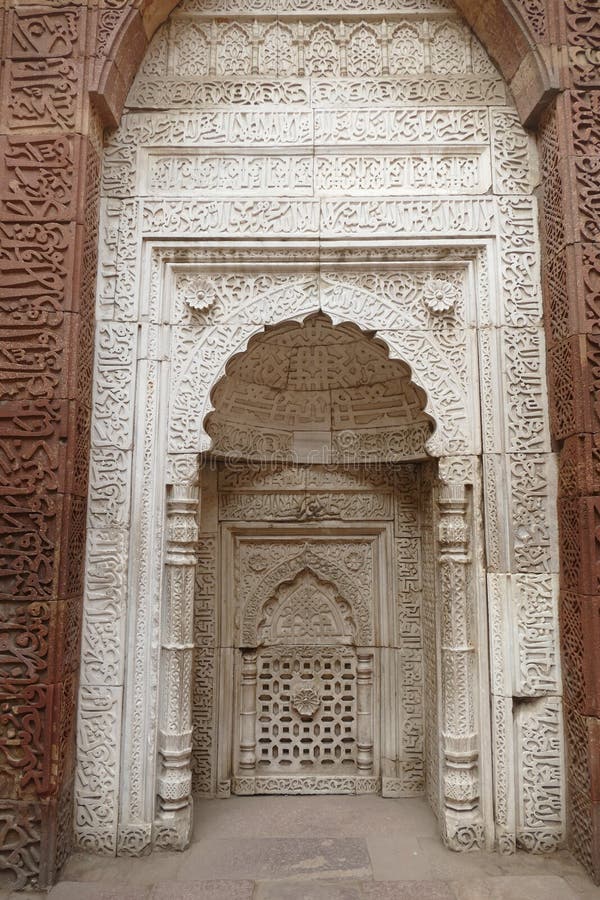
141	372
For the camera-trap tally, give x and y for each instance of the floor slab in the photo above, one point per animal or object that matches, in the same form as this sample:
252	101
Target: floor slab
319	816
320	848
302	890
407	890
519	887
270	858
203	890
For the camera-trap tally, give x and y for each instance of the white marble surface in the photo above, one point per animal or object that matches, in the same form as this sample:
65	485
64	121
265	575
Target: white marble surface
361	161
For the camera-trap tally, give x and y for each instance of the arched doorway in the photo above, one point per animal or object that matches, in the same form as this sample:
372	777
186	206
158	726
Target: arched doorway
270	167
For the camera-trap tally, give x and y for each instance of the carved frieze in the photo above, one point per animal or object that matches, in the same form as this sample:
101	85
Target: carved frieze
267	46
442	127
302	508
227	7
206	173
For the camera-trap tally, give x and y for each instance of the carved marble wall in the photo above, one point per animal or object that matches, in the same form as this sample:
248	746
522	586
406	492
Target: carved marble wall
366	165
66	70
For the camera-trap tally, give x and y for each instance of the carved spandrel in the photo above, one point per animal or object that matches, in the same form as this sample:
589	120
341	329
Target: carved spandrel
264	565
308	610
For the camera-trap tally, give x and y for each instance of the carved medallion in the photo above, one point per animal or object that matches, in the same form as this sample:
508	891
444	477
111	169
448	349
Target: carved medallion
440	295
305	700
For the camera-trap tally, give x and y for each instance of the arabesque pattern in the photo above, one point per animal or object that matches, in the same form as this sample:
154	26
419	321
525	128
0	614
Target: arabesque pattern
405	215
51	143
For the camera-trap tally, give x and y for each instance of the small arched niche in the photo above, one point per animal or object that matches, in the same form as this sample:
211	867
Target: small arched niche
315	392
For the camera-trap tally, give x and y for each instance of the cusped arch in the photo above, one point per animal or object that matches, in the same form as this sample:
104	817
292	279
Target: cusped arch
504	31
306	610
430	366
320	389
326	571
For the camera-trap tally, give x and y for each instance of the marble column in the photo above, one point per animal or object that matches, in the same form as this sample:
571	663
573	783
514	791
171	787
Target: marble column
174	782
462	822
364	687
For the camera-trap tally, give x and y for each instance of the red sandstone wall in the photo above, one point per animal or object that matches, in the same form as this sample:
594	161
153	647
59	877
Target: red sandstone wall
569	139
54	56
49	172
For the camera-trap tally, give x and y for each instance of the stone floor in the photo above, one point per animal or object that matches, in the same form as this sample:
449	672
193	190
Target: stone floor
320	848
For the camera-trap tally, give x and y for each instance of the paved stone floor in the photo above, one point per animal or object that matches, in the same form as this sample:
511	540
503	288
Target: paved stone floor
320	848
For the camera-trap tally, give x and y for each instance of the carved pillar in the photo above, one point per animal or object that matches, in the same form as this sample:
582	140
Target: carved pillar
255	48
385	49
462	825
214	45
364	701
343	45
248	713
174	814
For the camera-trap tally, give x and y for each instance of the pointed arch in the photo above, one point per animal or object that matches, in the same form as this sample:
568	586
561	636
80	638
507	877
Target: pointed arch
323	569
445	404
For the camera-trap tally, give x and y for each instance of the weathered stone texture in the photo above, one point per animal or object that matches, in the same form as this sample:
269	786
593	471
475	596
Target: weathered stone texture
54	56
570	145
48	211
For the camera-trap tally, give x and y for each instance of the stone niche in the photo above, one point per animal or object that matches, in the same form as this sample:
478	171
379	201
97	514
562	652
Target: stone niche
320	550
319	613
316	611
314	392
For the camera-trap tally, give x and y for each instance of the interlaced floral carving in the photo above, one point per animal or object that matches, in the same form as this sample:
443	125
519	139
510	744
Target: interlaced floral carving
406	51
364	52
322	54
305	700
235	55
200	293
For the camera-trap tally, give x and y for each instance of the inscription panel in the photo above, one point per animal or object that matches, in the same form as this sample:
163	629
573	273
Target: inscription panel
206	173
302	508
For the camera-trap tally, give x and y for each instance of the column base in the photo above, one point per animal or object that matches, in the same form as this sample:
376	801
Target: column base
462	832
175	831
